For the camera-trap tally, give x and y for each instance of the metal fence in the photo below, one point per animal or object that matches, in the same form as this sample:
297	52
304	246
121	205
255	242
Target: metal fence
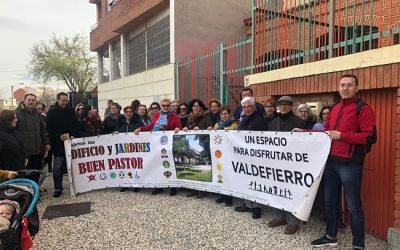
216	74
292	32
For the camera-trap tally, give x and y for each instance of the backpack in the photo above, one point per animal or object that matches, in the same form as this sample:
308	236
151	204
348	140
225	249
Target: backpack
371	140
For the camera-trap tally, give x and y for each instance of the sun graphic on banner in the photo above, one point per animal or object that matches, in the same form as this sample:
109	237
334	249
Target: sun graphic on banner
217	139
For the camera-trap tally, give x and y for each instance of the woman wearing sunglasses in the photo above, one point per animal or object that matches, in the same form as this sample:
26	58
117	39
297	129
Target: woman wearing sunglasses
163	121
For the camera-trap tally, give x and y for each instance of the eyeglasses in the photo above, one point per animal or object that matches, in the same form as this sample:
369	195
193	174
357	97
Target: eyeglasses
165	106
182	109
154	107
285	104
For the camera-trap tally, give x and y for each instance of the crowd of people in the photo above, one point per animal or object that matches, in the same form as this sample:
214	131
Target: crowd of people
29	135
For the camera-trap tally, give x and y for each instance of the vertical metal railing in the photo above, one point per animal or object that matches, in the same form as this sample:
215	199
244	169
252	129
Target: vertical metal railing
216	74
292	32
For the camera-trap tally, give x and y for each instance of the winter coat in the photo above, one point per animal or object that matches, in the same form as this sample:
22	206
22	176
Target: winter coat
111	124
354	130
254	122
12	156
286	122
31	130
173	122
130	126
60	121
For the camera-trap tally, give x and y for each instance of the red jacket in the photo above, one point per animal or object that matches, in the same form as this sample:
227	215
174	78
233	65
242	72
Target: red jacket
173	122
354	130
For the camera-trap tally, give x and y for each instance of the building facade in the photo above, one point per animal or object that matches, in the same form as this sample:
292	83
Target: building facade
138	42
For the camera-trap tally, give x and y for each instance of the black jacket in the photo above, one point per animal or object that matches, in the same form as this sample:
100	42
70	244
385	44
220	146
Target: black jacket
60	121
12	154
133	124
111	125
286	122
254	122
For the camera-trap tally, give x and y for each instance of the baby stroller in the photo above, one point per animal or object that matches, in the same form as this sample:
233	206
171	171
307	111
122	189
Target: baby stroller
25	223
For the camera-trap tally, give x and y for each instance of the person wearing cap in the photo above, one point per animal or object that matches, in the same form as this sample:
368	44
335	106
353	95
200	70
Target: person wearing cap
285	121
254	122
238	113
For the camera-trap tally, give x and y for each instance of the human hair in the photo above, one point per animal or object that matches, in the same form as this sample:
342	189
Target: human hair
110	101
248	89
322	111
154	103
43	106
135	104
248	99
227	108
61	94
9	207
182	104
272	102
77	107
29	94
6	117
214	101
114	104
165	99
193	101
352	76
128	107
304	106
86	109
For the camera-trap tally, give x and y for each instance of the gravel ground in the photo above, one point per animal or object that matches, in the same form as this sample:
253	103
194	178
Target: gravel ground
141	221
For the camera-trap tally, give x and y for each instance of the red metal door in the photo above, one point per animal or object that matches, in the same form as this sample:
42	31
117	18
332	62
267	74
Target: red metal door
379	168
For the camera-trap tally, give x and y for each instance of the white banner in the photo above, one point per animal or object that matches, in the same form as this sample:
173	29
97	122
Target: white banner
278	169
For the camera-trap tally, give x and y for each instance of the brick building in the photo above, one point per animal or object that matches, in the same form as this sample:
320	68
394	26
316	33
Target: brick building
302	48
138	42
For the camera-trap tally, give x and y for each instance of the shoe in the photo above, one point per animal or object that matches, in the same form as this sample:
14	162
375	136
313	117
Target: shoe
201	194
220	200
135	190
191	193
358	248
57	194
324	241
157	191
228	201
256	213
243	208
123	189
173	191
291	229
276	223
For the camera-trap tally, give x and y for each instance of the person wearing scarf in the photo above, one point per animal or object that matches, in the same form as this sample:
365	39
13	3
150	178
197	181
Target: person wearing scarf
142	111
163	121
183	116
89	125
226	122
197	120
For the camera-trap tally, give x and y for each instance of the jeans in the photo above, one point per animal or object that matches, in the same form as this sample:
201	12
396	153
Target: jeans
350	175
59	169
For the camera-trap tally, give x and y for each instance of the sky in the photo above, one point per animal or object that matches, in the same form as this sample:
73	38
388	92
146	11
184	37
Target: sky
26	22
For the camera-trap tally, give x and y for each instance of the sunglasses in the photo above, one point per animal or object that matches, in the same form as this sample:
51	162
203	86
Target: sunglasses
154	107
165	106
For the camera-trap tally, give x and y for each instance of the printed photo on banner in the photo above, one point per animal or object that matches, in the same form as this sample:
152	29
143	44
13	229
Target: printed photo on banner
192	157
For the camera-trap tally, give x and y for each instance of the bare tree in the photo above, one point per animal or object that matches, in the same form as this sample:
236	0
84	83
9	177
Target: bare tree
66	60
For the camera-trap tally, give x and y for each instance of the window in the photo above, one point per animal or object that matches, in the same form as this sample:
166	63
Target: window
149	48
136	57
105	65
158	43
116	61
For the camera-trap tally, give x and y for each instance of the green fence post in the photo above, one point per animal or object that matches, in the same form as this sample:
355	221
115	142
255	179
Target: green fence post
221	73
331	27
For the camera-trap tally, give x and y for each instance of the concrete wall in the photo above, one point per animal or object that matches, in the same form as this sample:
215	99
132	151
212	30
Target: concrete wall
203	24
147	87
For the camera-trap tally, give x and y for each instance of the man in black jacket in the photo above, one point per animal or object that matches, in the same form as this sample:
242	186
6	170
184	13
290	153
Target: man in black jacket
238	113
285	121
254	122
61	125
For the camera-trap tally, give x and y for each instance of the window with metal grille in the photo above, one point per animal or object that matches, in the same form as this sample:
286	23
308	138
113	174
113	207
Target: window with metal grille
136	57
158	46
116	61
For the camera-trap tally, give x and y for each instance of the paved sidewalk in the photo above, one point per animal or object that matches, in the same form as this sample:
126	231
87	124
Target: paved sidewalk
141	221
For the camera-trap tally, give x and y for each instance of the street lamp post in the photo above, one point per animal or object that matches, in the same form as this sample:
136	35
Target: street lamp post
12	93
